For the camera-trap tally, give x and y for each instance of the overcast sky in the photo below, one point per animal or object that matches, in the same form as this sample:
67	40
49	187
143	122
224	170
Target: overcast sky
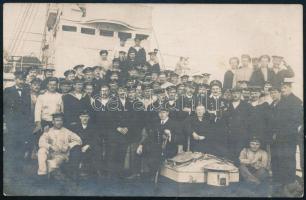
208	34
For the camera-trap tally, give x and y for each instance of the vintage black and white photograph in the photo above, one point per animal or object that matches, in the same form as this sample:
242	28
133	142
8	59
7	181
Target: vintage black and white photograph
180	100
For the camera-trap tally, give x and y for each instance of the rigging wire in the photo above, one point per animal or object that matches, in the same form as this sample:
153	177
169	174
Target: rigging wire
35	10
19	29
7	38
27	23
17	24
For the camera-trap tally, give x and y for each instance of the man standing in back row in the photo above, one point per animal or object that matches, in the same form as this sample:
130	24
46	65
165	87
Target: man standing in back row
288	116
140	52
237	124
17	116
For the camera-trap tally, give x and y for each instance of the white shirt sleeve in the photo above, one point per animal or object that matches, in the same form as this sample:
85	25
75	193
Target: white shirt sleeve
44	141
74	139
38	109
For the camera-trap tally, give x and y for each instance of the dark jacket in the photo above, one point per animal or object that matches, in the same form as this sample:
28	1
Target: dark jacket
277	79
98	83
103	116
140	58
228	80
289	115
201	100
257	77
89	135
155	139
202	128
154	67
238	120
72	109
17	108
258	122
124	119
220	105
219	123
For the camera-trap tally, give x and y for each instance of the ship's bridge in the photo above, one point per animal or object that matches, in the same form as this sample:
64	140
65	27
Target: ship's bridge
80	31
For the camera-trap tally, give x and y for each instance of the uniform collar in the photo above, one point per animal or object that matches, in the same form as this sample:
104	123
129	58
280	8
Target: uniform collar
73	94
215	97
165	121
18	88
189	96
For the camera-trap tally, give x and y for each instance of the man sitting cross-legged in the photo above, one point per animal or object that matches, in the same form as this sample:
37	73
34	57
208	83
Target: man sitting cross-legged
254	163
58	149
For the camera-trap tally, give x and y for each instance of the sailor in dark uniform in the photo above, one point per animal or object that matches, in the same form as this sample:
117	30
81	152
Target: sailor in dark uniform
17	112
216	104
171	103
120	129
273	130
186	105
201	97
122	57
259	113
104	108
136	121
288	118
113	87
73	104
123	66
98	80
237	125
218	111
122	99
90	158
88	100
147	98
140	52
187	102
163	141
160	101
152	63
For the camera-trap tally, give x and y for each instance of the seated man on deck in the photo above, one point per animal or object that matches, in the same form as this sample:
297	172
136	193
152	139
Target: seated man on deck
58	147
254	163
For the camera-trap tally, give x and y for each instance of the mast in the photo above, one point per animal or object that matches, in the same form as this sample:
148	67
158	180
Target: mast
43	56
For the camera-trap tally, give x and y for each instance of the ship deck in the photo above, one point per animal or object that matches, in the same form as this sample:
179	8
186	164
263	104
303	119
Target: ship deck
26	184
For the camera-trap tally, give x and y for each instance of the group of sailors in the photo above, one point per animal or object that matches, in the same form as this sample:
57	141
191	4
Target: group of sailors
123	117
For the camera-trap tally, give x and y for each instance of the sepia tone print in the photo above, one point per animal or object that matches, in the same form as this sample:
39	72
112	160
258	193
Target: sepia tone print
195	100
